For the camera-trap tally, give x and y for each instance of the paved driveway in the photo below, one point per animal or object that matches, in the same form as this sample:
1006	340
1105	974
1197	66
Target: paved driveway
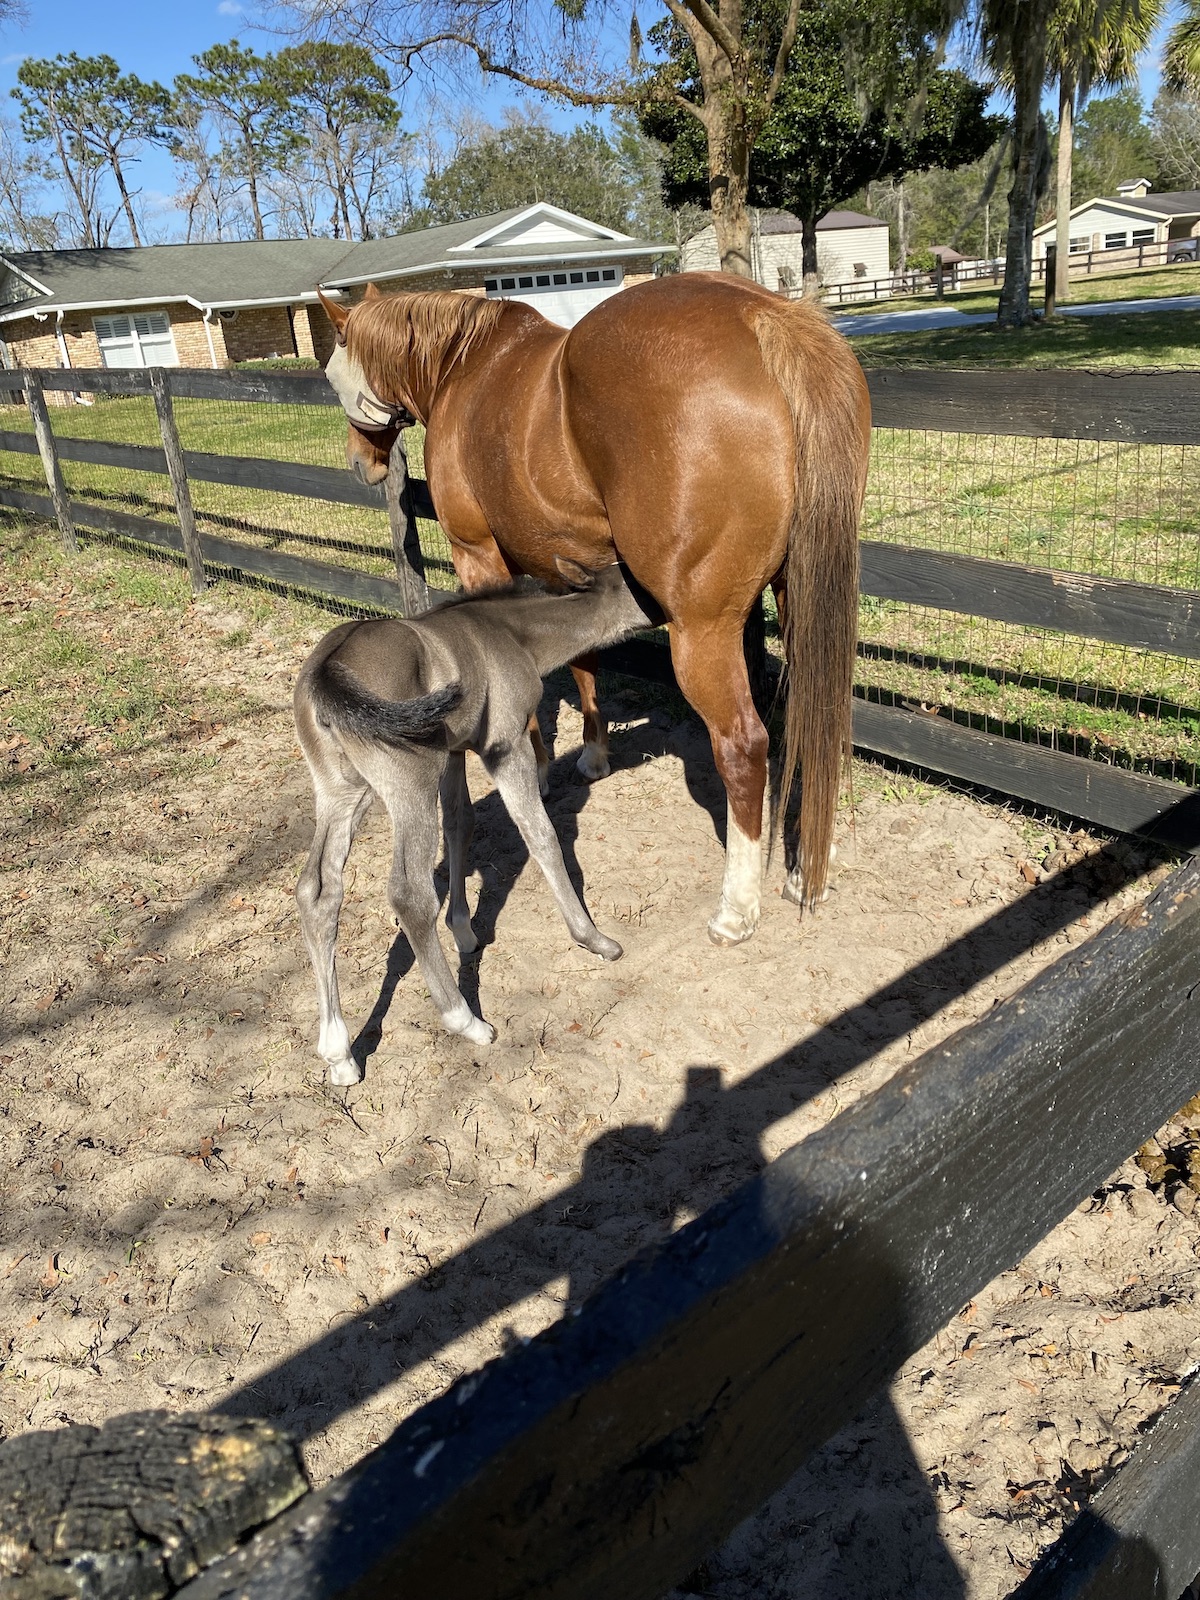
928	318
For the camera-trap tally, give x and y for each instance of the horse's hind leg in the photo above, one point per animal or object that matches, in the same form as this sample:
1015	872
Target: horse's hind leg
409	789
793	888
458	822
515	775
710	665
342	802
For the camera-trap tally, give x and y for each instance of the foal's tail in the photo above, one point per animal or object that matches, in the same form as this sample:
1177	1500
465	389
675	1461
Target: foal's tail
827	394
345	703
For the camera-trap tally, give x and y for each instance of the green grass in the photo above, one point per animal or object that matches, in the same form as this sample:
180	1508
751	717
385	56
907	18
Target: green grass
1147	284
1169	339
350	536
98	687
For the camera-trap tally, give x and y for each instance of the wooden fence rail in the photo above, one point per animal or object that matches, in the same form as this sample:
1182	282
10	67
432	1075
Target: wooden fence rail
612	1453
1118	406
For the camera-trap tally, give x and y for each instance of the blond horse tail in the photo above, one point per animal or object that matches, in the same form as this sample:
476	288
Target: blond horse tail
827	395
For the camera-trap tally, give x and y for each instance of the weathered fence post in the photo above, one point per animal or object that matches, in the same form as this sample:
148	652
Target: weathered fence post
48	451
173	450
406	547
754	643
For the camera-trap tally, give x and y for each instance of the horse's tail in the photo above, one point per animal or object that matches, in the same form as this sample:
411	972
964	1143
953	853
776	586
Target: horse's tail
827	394
343	702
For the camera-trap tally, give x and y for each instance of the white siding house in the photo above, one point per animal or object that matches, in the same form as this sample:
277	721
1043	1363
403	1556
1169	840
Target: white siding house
849	246
1132	217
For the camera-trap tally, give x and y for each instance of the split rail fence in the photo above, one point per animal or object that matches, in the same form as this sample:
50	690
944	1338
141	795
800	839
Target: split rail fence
1126	410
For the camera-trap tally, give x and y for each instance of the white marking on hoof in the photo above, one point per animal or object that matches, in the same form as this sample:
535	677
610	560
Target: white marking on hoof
793	888
593	763
729	927
736	916
342	1074
479	1032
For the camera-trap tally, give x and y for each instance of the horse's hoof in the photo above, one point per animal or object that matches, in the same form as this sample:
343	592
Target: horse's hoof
343	1074
607	949
793	890
464	938
479	1032
544	779
593	763
729	927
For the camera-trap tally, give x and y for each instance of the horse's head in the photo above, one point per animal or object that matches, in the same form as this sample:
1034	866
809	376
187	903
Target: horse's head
373	421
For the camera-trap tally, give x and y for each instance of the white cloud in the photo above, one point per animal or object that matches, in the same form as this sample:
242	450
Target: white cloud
229	8
20	55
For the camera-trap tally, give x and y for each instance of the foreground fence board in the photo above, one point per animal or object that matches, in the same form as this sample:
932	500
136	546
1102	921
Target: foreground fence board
1145	615
1106	403
1141	1534
614	1451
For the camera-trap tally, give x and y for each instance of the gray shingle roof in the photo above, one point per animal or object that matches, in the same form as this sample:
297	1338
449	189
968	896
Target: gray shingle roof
1180	203
242	272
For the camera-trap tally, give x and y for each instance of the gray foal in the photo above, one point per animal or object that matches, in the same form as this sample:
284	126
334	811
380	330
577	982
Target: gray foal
389	708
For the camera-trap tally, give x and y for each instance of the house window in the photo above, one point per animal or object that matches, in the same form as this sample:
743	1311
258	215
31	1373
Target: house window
1115	241
142	340
1081	244
1143	236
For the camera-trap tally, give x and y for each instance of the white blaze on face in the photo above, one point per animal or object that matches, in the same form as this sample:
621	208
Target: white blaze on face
359	401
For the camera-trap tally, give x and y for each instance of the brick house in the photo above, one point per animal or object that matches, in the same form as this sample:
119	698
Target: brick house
210	305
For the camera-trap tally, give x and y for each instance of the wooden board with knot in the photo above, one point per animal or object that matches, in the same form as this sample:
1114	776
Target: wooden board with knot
135	1508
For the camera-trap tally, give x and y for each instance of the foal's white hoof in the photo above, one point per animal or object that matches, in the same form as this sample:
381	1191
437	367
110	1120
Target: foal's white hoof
479	1032
729	927
342	1074
593	763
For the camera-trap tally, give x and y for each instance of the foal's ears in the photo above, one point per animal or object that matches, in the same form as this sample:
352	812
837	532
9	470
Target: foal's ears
577	576
337	314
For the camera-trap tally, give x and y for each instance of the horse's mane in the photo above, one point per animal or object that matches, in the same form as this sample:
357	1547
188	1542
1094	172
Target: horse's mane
428	331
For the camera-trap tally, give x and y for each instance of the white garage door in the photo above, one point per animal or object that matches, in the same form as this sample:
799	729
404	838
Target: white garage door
564	296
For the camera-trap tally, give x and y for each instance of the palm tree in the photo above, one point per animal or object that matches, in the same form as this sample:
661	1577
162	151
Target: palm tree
1181	64
1092	44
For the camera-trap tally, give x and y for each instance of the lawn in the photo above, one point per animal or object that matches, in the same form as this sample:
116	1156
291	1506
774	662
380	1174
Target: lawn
1148	284
1074	505
1134	339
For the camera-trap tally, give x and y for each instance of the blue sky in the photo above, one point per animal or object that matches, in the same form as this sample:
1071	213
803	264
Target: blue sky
157	39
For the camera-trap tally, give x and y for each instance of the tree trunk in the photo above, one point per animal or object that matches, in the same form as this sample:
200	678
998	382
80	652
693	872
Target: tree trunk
259	230
126	202
1029	72
901	230
808	255
729	179
1062	215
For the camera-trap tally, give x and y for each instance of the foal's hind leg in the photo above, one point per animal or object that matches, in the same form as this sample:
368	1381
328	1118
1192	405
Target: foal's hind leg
411	798
515	776
342	803
458	822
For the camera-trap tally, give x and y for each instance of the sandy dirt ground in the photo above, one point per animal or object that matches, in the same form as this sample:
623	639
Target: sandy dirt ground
192	1218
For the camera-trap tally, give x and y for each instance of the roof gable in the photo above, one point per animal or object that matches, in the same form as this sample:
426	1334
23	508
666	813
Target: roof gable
540	224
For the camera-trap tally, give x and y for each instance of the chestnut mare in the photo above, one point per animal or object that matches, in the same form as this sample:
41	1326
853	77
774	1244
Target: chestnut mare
709	433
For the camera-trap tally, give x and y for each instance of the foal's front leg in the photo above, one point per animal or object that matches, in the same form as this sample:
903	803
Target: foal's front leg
515	775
